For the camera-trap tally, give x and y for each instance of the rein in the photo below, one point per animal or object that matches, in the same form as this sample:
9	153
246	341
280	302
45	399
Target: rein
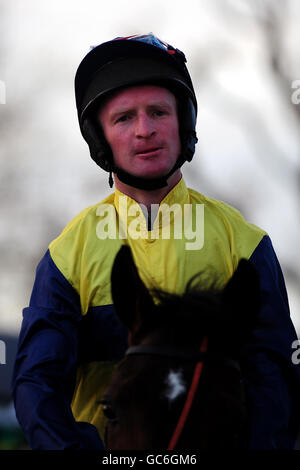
189	399
199	357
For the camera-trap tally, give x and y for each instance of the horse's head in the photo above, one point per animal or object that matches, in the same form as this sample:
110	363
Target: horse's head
150	386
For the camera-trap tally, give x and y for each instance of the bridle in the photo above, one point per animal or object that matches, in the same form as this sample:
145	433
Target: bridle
200	357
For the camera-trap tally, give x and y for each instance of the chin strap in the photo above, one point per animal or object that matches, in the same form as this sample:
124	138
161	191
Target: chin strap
110	179
148	184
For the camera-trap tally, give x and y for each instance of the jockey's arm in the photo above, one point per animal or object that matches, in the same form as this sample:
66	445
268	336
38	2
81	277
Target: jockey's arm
272	380
46	363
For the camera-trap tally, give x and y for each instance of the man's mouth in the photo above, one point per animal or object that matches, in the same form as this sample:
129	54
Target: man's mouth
150	152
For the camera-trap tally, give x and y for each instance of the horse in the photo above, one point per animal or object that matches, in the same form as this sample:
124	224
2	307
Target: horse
179	385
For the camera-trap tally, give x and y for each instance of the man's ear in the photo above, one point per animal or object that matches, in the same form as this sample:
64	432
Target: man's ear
131	298
241	300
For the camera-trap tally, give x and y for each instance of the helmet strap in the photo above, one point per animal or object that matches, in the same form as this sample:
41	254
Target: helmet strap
148	184
110	179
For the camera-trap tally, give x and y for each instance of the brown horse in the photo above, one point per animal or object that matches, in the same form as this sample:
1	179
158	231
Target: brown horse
180	382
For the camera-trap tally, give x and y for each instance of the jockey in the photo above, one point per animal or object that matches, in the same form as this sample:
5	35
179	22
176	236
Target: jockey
137	112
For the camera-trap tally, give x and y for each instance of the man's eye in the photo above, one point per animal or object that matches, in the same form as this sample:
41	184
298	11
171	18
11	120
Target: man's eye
159	112
123	118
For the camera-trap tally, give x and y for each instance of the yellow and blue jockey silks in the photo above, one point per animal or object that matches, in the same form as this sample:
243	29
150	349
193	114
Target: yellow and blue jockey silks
71	339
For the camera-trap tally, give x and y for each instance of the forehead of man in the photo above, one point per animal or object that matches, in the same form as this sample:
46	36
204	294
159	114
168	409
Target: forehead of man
137	94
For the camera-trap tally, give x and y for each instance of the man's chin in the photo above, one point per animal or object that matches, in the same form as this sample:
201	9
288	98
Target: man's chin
151	173
162	173
152	176
169	183
147	175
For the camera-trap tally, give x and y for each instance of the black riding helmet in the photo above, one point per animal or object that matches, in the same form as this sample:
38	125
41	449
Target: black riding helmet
129	61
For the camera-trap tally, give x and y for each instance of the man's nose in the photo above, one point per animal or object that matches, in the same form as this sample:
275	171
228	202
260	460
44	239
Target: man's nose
144	127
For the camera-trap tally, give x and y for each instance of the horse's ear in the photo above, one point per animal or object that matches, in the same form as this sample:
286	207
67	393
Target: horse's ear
242	301
130	296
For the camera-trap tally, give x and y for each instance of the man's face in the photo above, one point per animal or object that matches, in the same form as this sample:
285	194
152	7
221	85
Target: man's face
140	124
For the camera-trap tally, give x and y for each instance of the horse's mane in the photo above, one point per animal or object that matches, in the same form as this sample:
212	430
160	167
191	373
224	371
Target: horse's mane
198	306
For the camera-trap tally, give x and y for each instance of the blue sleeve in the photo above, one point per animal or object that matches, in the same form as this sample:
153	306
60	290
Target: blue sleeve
46	363
272	380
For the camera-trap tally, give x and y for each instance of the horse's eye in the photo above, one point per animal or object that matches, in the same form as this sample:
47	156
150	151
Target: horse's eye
108	411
